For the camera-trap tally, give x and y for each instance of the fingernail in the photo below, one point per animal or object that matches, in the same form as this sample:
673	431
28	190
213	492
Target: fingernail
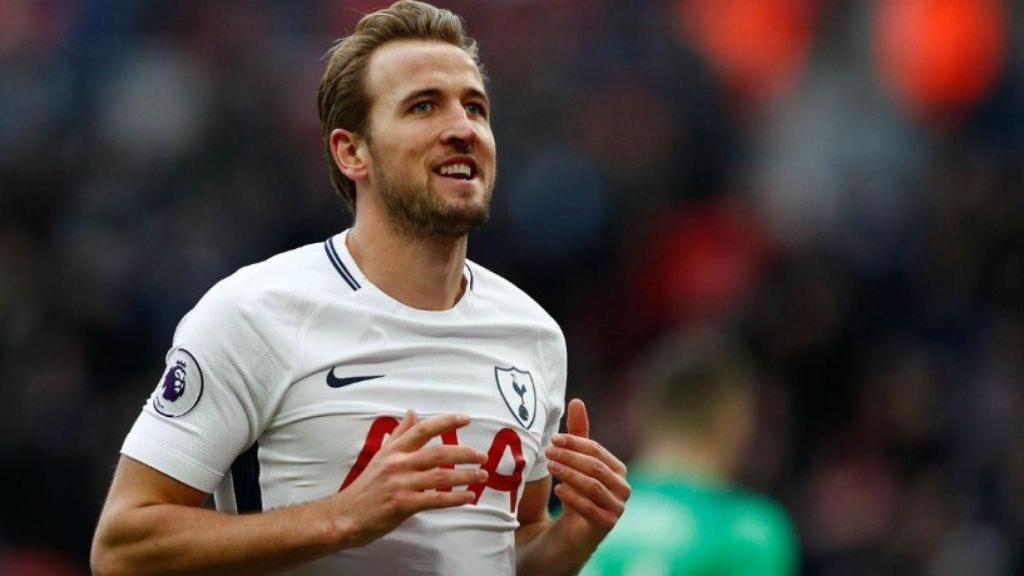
463	419
552	452
555	467
558	439
481	475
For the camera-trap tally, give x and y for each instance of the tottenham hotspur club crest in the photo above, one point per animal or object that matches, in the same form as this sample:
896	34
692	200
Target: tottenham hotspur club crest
519	393
181	386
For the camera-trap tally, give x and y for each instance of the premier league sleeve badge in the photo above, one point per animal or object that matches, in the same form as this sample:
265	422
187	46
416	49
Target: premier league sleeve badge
181	386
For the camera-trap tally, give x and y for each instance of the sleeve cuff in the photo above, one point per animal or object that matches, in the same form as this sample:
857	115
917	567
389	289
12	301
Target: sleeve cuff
173	463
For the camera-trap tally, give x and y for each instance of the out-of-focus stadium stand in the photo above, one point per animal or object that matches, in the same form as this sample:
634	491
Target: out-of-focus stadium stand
836	181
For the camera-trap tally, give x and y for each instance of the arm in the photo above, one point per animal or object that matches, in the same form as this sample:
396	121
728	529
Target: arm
593	492
152	523
533	512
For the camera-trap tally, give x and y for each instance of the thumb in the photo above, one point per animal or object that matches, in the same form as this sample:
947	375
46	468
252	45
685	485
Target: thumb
576	422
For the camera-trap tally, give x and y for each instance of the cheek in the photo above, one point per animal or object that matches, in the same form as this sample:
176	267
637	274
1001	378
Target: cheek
487	146
487	138
400	159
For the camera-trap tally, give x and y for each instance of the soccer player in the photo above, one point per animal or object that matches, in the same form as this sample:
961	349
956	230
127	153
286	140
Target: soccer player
373	404
685	518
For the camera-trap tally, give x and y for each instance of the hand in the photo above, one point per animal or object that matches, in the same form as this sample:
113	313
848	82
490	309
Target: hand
593	487
404	477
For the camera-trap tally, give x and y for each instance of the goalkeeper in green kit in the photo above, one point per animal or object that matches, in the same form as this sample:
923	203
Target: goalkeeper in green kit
684	516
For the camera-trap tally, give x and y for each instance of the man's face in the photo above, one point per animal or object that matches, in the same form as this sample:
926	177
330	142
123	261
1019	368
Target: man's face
432	155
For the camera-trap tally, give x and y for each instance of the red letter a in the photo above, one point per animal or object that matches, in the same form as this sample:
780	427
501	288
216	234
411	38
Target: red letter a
505	438
374	440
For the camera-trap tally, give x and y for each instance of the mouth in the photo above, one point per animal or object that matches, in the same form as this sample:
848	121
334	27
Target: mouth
458	168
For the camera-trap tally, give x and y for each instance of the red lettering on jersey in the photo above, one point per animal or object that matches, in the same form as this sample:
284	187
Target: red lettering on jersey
382	426
505	438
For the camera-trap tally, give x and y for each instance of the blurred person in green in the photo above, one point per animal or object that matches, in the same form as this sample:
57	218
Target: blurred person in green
685	515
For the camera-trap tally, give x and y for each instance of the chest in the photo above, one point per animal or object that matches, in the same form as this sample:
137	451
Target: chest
349	397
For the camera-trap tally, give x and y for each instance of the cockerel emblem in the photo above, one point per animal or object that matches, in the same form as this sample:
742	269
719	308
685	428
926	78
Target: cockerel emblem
519	393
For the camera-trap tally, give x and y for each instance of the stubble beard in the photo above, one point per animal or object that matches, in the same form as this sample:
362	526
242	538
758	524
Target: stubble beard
419	211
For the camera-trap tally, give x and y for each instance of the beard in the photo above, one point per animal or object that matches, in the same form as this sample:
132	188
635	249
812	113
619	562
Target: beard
417	210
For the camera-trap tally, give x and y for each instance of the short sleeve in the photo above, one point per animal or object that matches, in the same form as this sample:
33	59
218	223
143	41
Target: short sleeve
225	371
553	350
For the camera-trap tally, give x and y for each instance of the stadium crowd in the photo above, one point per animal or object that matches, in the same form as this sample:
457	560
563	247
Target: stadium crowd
835	182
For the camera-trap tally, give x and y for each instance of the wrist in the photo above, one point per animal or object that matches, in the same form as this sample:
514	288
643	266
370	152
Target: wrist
551	549
339	528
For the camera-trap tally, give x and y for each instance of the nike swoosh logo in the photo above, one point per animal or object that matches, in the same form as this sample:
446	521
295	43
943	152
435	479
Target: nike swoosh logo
335	382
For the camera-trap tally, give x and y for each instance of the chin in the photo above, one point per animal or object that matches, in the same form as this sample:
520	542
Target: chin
471	205
433	210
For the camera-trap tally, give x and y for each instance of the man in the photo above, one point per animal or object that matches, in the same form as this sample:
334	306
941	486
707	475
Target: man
375	404
685	518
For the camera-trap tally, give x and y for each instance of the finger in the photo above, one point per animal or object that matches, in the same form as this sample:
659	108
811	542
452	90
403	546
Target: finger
578	503
445	455
423	431
408	421
591	467
588	487
591	448
443	479
434	500
576	421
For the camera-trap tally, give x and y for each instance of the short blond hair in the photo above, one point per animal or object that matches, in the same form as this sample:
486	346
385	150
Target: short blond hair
342	99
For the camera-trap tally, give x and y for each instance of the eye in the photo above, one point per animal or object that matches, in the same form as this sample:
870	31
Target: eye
477	109
422	106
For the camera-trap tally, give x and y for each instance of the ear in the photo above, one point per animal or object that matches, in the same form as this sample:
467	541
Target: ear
348	150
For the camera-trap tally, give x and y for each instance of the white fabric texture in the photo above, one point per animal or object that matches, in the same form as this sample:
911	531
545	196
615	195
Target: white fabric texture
268	340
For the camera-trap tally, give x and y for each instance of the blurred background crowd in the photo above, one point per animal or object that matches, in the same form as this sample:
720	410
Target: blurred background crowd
837	183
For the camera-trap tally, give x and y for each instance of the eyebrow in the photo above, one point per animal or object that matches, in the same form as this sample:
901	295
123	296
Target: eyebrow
437	93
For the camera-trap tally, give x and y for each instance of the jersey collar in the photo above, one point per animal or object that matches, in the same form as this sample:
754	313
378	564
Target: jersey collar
345	265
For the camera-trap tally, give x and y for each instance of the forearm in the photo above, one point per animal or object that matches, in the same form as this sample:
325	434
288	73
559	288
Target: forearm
177	539
527	533
153	523
542	550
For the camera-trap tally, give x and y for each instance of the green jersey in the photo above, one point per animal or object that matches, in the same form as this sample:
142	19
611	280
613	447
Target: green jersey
674	526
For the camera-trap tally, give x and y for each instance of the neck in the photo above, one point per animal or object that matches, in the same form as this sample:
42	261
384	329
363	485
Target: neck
421	272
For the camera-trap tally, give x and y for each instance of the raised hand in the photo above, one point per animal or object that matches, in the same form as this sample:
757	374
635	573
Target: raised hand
593	487
405	477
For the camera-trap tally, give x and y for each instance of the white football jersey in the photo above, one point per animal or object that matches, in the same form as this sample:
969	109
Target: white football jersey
286	377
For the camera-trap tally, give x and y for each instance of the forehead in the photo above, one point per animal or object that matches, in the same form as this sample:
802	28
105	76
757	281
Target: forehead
404	66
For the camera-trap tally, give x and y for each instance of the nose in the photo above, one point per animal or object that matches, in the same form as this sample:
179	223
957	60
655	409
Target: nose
459	133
